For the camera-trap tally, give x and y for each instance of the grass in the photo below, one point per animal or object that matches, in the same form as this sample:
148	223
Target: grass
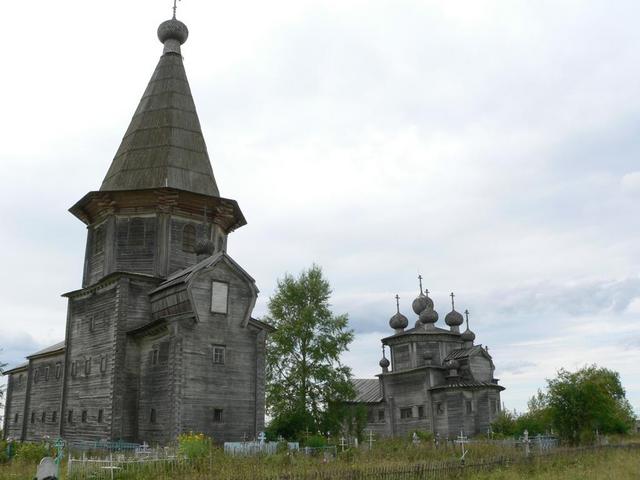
390	456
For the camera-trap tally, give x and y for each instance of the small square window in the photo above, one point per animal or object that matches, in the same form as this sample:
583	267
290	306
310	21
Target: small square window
70	416
36	376
58	370
152	417
54	416
381	415
439	408
84	416
469	406
103	363
43	417
218	354
219	297
406	412
15	418
33	417
74	369
87	366
421	411
46	374
217	415
100	416
20	379
92	324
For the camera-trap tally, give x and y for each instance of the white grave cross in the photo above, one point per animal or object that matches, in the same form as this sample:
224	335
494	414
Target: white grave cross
462	440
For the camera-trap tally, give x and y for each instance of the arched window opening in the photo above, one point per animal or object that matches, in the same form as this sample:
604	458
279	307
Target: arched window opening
98	240
188	238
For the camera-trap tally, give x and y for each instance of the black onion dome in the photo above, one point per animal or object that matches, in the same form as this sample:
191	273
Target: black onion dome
173	30
428	315
421	302
398	321
454	319
204	246
468	336
384	362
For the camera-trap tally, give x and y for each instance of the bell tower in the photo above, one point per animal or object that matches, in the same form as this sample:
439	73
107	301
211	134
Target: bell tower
159	202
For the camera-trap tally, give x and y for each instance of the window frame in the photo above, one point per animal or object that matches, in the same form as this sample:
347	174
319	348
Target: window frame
226	297
217	349
406	413
218	415
189	241
84	416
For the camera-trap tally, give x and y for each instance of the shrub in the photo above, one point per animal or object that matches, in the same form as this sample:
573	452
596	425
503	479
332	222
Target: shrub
31	452
315	441
194	445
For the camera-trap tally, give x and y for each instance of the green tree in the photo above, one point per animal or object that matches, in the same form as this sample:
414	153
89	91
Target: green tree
304	372
587	400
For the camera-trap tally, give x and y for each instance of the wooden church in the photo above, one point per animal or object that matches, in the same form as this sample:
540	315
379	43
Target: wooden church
160	339
437	379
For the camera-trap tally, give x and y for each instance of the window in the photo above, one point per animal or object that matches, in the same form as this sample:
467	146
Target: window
20	379
152	417
33	417
381	415
421	411
136	232
100	416
46	374
219	297
439	408
43	417
74	369
188	238
58	370
103	363
406	412
87	366
98	240
155	356
217	415
218	354
15	418
370	416
84	416
70	416
469	406
54	416
36	376
494	406
92	323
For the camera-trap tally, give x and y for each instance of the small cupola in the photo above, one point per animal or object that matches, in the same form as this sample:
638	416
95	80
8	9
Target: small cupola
454	319
398	322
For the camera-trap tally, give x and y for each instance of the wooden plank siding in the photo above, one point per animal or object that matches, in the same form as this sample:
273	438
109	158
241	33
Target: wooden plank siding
15	404
43	405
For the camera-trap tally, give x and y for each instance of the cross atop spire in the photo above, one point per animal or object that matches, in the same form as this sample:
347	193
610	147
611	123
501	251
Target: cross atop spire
175	7
420	280
453	306
383	351
466	314
398	302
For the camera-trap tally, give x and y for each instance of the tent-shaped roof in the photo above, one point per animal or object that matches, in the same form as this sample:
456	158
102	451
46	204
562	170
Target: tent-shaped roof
164	145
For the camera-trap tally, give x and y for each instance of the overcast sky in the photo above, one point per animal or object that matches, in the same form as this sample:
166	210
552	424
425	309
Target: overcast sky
490	145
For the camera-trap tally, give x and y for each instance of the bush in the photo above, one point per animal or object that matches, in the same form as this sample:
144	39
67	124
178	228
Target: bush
315	441
31	452
422	435
194	445
3	451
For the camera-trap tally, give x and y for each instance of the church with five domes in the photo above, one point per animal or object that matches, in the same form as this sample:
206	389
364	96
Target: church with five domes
435	379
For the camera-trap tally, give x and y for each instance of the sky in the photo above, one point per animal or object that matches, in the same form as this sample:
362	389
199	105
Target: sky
491	146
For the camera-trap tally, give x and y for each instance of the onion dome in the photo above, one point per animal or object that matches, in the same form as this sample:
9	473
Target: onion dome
204	246
453	318
384	362
173	30
398	321
428	315
467	335
422	301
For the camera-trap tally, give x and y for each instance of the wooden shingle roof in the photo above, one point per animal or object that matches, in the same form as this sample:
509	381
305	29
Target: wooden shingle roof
367	390
164	145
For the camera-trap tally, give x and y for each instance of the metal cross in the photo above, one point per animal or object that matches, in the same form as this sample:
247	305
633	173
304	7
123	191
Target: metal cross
398	302
452	304
420	280
466	314
175	7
